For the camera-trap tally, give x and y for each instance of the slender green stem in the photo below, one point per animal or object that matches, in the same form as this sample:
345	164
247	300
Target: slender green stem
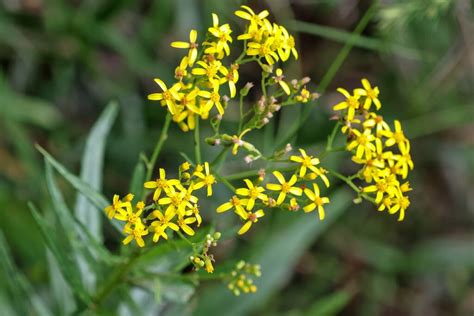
150	165
241	109
332	136
197	143
352	185
225	181
217	163
262	83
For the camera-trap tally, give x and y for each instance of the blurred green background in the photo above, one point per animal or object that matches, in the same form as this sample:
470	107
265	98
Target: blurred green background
61	62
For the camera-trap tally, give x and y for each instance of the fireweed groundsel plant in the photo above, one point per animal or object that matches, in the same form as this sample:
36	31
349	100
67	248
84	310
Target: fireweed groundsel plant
165	210
207	80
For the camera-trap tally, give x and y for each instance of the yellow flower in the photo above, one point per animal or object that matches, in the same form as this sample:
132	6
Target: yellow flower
117	206
250	219
168	96
129	215
253	193
284	187
321	173
263	50
222	33
183	224
209	69
363	143
351	103
164	221
136	233
371	94
231	77
255	19
373	120
209	266
238	142
192	45
194	211
188	116
279	79
181	71
160	184
304	96
207	179
316	201
385	185
400	204
214	99
175	200
307	162
236	203
396	137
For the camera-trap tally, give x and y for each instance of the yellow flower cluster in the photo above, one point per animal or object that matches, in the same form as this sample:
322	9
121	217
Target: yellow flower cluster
241	278
204	259
383	152
271	42
249	201
201	74
174	206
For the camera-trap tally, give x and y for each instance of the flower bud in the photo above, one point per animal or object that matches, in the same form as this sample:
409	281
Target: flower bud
245	90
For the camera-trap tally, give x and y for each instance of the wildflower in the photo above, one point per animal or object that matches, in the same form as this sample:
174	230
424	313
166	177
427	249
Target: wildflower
222	33
210	70
181	71
237	140
129	215
363	143
400	204
231	76
294	206
214	99
168	96
351	103
192	45
160	184
396	137
254	19
253	193
307	162
279	79
236	203
385	185
250	219
209	266
164	221
321	173
371	94
117	206
373	120
183	224
263	50
304	96
136	233
284	187
316	201
207	179
194	211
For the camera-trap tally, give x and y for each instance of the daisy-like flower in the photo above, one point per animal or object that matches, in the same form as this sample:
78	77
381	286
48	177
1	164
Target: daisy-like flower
162	223
234	202
181	71
136	233
399	204
168	97
363	143
252	192
209	69
383	186
279	79
214	99
251	16
351	103
371	94
316	201
118	205
160	184
192	45
250	218
231	77
396	137
373	120
183	224
284	187
263	50
206	179
307	162
129	215
222	33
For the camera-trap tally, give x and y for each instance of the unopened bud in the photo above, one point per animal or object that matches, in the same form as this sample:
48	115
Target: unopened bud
245	90
225	99
288	148
305	80
217	235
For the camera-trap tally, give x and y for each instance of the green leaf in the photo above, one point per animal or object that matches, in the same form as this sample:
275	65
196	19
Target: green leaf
19	286
138	178
60	289
91	173
97	199
330	305
174	291
297	234
66	263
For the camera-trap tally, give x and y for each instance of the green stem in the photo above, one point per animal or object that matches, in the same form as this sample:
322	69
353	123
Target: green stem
352	185
225	181
262	83
197	143
332	136
241	109
217	163
150	165
180	234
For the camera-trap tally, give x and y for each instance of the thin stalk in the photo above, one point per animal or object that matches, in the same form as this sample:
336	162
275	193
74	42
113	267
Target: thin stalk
241	110
150	165
352	185
197	143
